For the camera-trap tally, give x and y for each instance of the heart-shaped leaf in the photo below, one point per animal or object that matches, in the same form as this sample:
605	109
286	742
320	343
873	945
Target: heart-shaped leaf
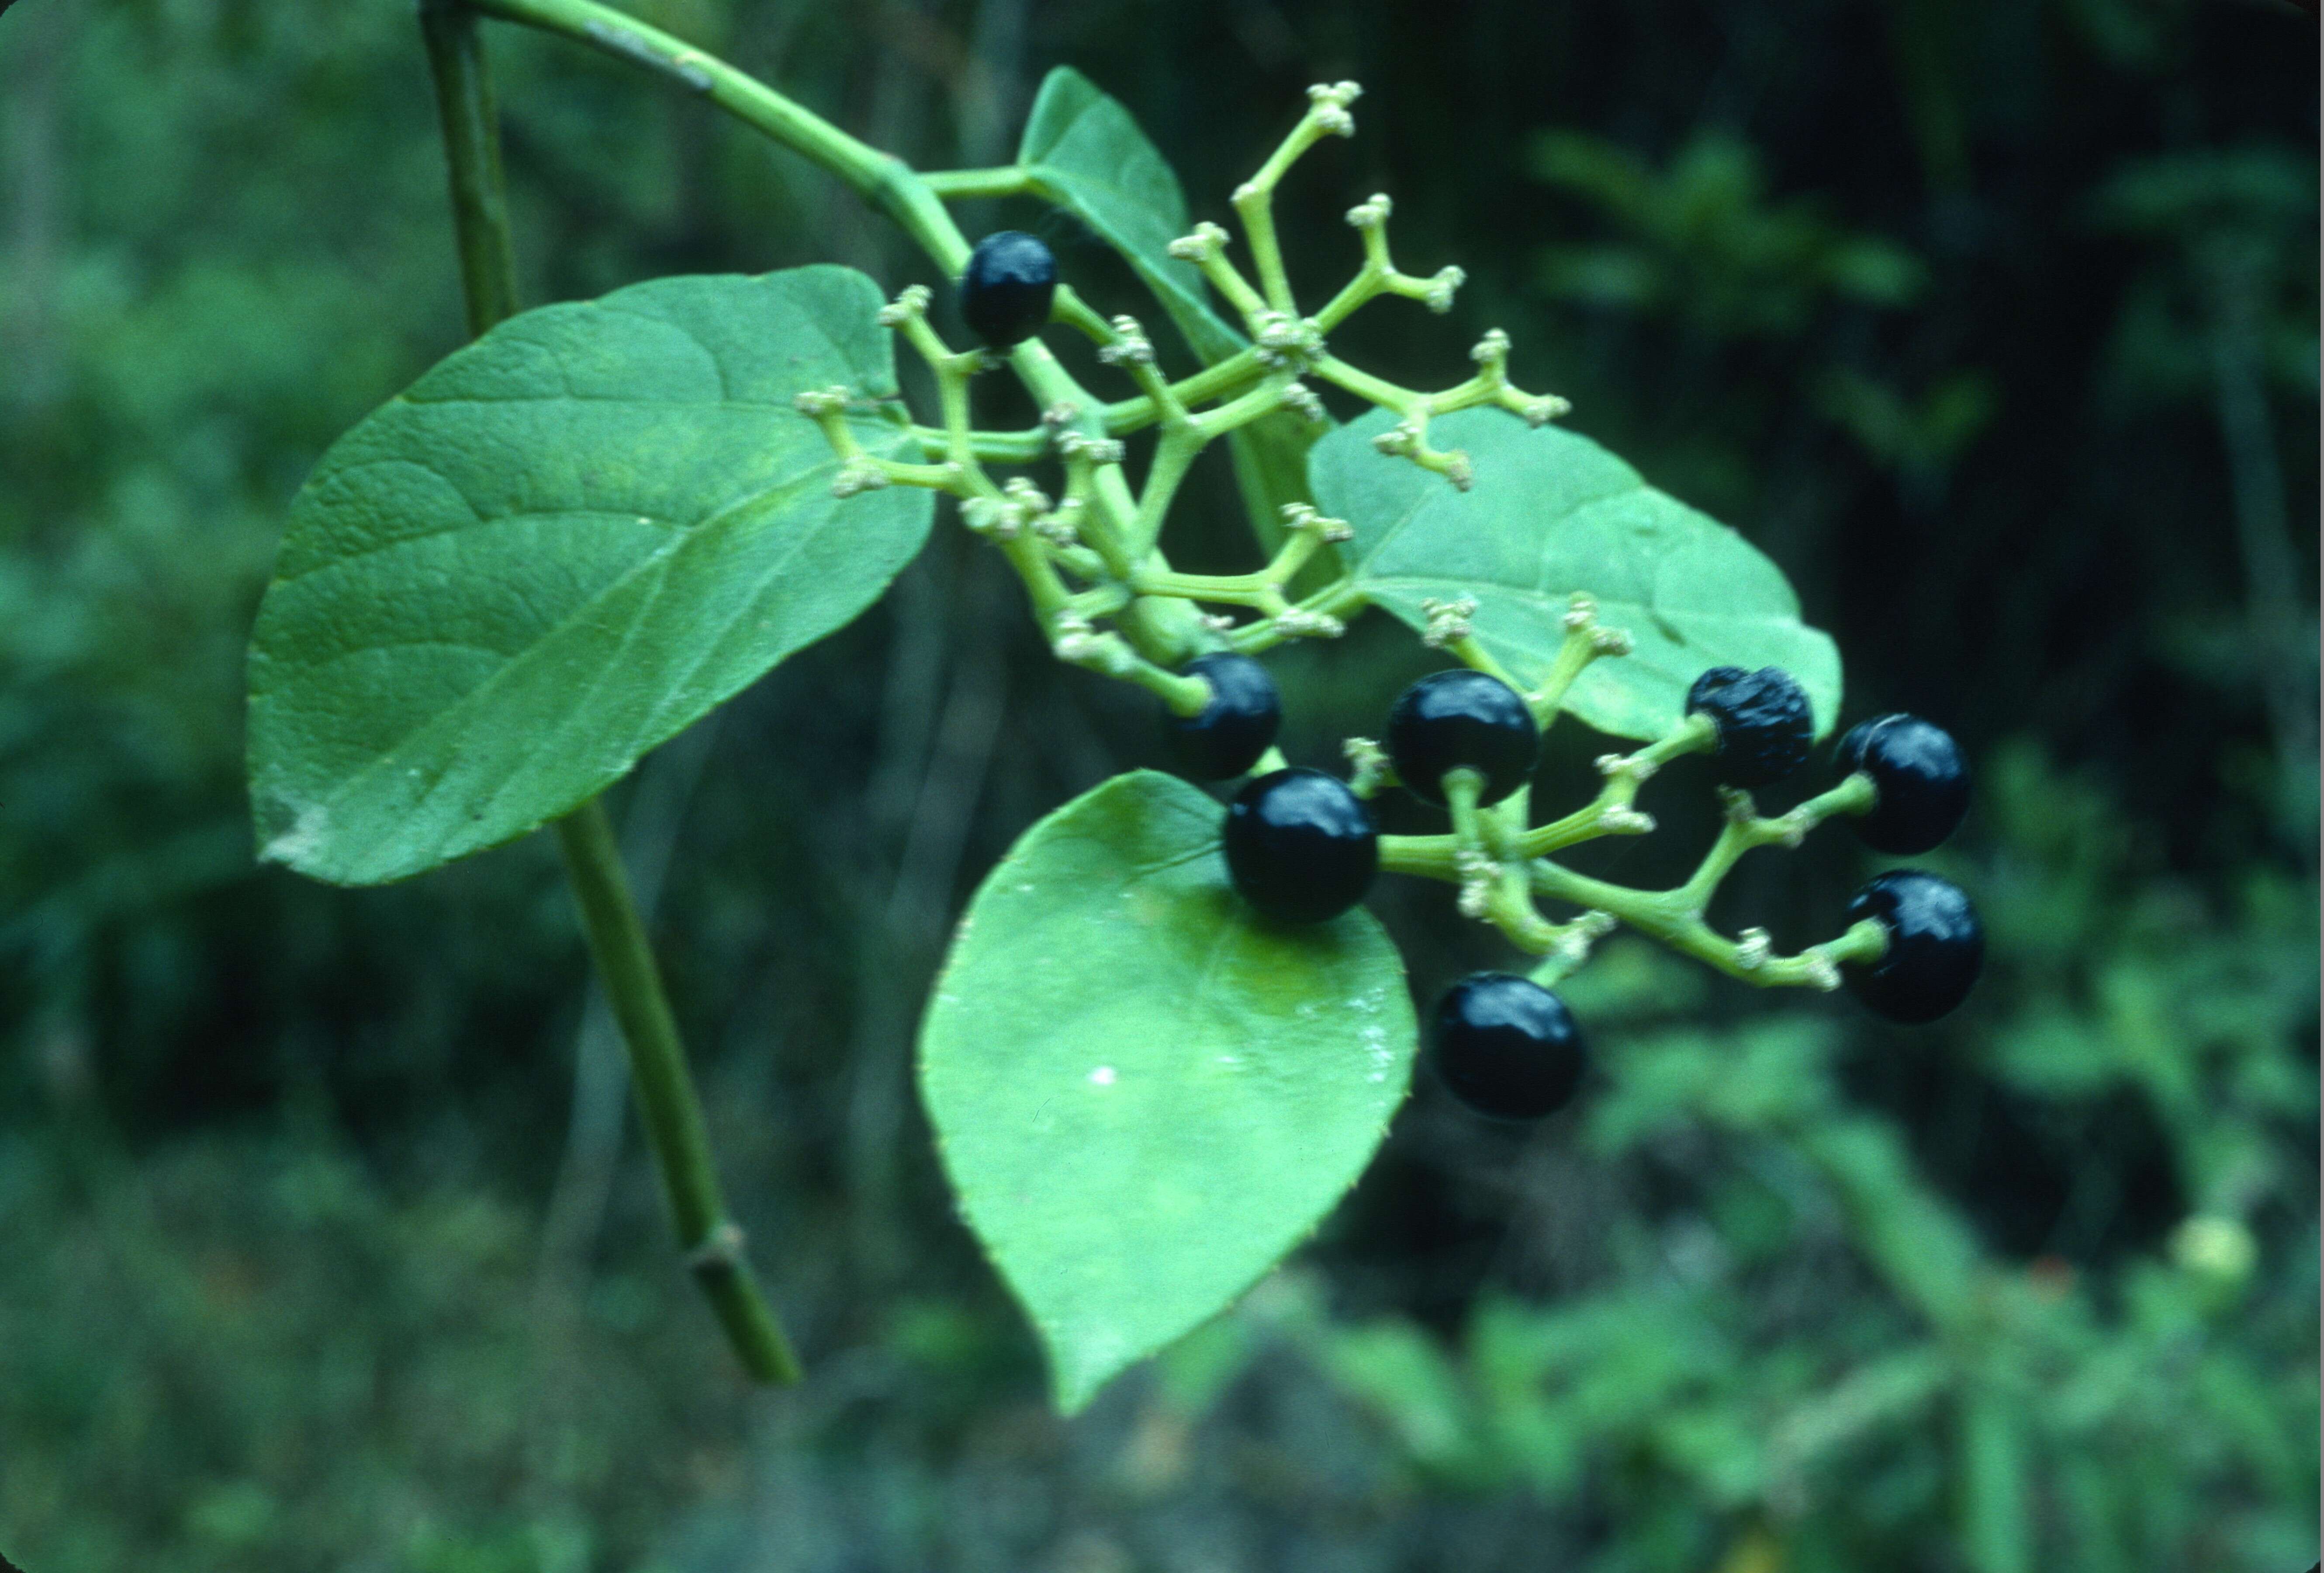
561	546
1083	152
1552	512
1144	1093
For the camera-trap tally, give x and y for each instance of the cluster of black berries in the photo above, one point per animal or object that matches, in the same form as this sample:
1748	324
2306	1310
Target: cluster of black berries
1919	786
1301	846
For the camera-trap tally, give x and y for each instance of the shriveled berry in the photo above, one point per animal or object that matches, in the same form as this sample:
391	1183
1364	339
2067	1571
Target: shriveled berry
1919	782
1007	286
1300	846
1236	726
1461	719
1936	946
1507	1047
1762	718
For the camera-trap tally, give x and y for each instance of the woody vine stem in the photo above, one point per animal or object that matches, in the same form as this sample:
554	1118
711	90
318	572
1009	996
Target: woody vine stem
670	1107
1104	592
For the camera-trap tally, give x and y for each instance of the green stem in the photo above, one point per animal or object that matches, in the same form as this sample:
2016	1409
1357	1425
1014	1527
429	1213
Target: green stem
617	942
472	149
667	1101
1008	180
885	180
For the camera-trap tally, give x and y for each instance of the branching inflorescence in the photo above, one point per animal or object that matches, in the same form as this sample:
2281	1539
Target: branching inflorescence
1109	600
1183	991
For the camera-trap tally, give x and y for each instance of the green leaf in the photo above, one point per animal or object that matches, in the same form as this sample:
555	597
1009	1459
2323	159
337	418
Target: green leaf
1552	512
562	545
1144	1095
1082	151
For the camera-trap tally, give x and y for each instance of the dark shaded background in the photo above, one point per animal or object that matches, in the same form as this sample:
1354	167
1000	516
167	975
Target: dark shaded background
1993	321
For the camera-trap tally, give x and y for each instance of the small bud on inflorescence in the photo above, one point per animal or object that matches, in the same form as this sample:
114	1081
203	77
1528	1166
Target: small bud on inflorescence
1447	620
1061	415
1737	805
1441	289
1095	450
1297	516
1821	972
1752	948
1372	212
1581	611
858	475
1296	623
1608	641
1617	820
911	302
1573	943
1285	341
1071	638
1459	470
1025	494
1328	107
1492	351
991	517
1207	241
1541	412
1130	346
1368	761
1638	767
1403	439
1061	527
1300	399
817	402
1478	871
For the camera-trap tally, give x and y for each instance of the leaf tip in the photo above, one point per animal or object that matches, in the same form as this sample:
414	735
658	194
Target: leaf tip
296	843
1079	1368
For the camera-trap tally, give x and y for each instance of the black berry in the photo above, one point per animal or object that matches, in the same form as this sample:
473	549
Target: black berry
1457	720
1006	290
1762	718
1300	846
1236	726
1935	946
1507	1047
1919	782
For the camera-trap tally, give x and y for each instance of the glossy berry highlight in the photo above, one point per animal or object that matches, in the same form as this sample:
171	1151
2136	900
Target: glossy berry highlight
1300	846
1936	946
1007	289
1919	782
1239	724
1762	719
1461	719
1507	1047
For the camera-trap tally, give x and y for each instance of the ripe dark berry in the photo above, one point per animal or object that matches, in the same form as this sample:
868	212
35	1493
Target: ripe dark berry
1300	846
1507	1047
1763	721
1451	720
1919	779
1236	726
1006	290
1935	946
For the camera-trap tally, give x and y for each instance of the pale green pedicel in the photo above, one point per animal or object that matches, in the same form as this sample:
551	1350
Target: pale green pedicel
1551	514
561	546
1143	1095
1082	151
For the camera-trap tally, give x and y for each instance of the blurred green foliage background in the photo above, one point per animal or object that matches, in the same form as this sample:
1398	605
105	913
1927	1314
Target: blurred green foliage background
322	1241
